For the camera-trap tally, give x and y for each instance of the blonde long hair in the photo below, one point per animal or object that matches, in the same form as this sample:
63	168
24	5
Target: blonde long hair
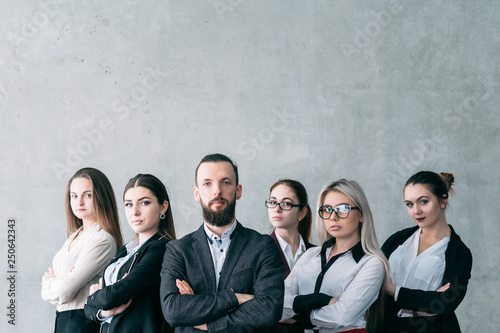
351	189
103	199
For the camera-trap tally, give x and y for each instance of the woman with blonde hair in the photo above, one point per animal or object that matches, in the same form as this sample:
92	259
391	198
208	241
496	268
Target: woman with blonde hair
93	231
338	287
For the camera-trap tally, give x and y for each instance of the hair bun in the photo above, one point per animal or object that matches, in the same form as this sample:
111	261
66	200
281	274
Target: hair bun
448	179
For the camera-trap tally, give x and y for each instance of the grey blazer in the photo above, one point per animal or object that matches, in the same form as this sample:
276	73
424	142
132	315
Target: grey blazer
253	266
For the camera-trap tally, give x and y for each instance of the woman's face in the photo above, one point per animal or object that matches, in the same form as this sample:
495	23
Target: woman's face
346	229
81	201
285	219
143	211
423	206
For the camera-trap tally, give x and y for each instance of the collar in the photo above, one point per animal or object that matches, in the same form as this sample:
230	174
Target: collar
356	251
227	235
284	244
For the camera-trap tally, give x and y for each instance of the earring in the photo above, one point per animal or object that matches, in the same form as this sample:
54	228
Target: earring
162	216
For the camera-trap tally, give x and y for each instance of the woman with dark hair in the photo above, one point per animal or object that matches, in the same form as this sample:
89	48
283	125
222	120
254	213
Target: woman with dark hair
430	265
94	234
338	287
127	298
291	217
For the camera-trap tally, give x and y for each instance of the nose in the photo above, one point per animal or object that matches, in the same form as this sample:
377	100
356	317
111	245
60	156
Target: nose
137	210
80	200
277	208
217	190
334	217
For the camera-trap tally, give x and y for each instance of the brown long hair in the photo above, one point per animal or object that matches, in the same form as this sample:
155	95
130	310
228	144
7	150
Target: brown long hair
301	193
166	226
103	199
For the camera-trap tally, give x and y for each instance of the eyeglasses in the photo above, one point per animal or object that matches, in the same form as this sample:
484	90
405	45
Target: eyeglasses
342	211
283	205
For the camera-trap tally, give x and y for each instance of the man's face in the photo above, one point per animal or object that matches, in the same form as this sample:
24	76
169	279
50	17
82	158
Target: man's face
217	191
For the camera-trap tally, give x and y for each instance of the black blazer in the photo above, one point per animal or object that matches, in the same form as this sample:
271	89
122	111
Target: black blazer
457	271
142	284
252	266
287	268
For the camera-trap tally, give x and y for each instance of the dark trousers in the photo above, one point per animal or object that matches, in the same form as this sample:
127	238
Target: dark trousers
74	321
417	324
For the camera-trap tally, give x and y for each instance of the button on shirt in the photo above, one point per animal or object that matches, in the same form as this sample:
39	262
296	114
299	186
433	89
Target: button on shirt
287	250
424	271
218	247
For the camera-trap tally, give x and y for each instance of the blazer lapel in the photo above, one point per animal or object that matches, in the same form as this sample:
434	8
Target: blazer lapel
234	252
203	256
287	268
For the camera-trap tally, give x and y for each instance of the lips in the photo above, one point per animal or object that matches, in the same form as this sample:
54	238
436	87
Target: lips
420	219
277	218
137	222
335	227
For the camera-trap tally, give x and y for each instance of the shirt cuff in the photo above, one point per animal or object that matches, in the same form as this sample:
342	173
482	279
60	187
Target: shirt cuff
396	293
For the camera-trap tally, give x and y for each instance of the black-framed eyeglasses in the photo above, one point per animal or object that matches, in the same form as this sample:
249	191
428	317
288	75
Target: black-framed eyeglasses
342	211
283	205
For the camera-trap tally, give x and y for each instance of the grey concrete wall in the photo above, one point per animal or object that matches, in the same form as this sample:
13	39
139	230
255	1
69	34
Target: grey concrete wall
313	90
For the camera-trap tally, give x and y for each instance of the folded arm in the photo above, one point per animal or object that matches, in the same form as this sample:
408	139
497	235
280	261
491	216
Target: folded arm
91	262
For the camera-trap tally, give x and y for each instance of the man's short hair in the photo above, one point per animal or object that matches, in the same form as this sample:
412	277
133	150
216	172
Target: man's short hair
215	158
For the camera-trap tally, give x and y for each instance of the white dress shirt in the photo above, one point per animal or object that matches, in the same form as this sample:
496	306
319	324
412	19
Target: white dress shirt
218	247
354	278
423	272
291	260
77	267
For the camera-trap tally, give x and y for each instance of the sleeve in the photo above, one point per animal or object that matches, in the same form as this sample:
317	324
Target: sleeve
292	287
441	302
144	274
92	260
188	310
355	300
265	308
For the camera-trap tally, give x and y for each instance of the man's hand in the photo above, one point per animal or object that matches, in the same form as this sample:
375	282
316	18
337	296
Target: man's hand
202	327
242	298
184	287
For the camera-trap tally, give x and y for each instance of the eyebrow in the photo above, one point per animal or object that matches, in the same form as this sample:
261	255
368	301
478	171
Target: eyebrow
82	192
140	199
423	196
286	198
343	203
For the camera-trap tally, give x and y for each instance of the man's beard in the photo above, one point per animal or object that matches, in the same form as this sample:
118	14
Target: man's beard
222	217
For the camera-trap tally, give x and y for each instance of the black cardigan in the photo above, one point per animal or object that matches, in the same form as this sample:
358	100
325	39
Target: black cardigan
457	272
142	284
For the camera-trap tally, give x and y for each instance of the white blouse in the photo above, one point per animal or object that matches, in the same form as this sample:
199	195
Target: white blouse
287	250
423	272
77	267
356	284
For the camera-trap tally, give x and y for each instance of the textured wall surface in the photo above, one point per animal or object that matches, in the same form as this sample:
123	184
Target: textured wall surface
313	90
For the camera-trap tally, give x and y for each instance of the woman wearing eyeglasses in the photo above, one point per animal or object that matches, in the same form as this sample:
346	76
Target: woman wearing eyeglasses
430	265
332	288
291	217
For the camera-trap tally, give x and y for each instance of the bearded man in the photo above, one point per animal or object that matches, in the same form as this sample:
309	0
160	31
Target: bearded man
223	277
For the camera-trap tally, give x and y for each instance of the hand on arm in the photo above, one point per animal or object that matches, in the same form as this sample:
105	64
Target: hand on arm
48	275
115	311
422	313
